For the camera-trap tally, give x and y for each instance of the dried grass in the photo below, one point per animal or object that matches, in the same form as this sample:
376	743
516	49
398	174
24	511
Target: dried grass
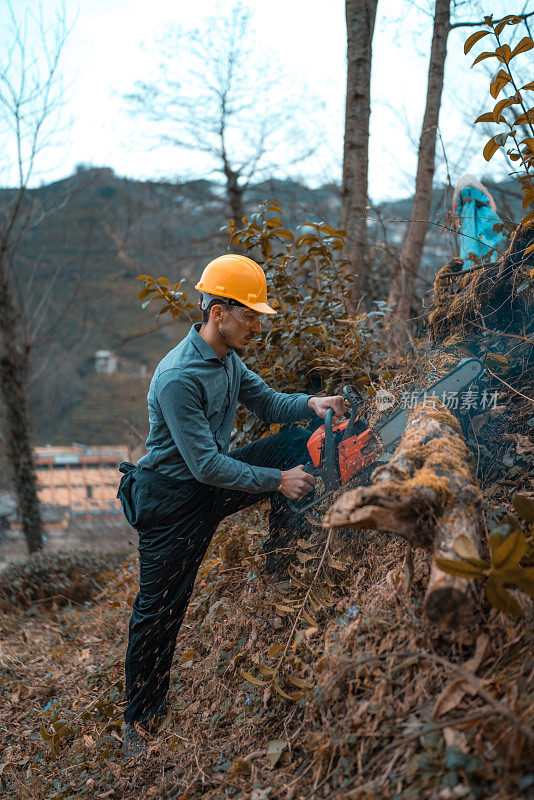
366	730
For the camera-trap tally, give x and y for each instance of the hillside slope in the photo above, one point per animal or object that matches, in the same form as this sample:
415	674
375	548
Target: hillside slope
395	709
98	231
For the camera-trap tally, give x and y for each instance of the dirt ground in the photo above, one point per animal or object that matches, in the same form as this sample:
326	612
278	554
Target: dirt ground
370	701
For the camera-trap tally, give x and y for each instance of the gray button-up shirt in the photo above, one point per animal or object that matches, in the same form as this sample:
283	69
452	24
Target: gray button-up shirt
192	403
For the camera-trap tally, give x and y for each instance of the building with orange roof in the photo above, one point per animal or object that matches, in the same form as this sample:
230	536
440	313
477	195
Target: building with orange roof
78	478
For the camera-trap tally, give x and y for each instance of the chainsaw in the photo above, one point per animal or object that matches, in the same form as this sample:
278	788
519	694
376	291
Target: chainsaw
339	452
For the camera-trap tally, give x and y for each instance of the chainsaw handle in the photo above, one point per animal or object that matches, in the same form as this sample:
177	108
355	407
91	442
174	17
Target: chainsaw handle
355	405
329	454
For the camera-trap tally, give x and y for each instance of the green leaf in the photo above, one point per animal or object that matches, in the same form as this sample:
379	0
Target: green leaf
164	310
498	83
509	551
510	19
524	118
482	57
501	599
506	102
459	569
492	146
473	39
145	292
282	233
524	506
510	520
523	577
524	46
488	117
503	53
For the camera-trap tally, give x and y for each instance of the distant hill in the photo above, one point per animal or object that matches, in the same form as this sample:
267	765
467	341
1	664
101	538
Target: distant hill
98	232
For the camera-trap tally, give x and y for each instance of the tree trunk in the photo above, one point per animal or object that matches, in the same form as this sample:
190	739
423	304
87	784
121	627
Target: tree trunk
360	16
428	494
234	196
405	272
13	382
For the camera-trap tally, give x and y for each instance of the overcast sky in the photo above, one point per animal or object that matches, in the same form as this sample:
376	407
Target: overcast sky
112	44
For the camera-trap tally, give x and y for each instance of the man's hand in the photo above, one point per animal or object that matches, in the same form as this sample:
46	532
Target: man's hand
320	404
296	483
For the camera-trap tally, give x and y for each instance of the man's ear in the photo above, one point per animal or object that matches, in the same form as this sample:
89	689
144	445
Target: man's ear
216	312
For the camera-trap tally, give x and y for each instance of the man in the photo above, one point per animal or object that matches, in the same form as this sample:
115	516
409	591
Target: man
188	481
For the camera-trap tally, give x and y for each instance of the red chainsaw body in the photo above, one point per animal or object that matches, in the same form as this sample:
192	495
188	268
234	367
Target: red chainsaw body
349	456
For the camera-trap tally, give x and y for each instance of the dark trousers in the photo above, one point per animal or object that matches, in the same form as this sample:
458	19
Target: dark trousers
176	521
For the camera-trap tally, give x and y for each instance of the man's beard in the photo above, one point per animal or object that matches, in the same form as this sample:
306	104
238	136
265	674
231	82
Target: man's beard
224	336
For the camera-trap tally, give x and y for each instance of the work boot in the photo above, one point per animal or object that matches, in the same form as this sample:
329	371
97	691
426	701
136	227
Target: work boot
133	744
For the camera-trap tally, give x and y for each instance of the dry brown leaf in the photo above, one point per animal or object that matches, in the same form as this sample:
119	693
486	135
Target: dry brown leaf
481	647
453	694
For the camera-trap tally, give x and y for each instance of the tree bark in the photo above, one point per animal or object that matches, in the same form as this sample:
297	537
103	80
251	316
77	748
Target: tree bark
360	16
428	494
234	196
405	272
13	382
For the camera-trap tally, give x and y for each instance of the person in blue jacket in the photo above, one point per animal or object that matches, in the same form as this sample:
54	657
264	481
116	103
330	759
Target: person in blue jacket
189	480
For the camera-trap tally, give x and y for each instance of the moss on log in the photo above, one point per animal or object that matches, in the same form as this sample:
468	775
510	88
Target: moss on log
428	494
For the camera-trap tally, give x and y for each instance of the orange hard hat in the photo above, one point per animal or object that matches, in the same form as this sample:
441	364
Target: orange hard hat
239	278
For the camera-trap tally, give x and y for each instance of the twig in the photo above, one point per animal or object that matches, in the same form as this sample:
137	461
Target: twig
500	333
305	600
510	387
475	682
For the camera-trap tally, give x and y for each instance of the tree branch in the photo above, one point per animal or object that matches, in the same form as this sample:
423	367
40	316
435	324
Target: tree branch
481	22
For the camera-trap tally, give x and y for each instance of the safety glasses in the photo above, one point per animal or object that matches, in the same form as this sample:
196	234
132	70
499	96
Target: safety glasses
245	315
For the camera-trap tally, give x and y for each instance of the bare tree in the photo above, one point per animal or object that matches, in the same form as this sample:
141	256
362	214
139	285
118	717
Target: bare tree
405	272
216	95
360	16
30	96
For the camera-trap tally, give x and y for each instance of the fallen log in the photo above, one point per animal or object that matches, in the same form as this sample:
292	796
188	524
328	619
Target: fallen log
428	494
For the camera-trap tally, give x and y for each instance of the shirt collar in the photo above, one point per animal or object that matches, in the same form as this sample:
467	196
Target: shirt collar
207	353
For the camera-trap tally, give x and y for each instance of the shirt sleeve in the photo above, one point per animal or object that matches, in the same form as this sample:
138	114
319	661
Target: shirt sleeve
270	405
181	405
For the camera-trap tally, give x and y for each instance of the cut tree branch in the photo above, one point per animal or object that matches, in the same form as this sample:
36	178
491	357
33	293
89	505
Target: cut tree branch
428	494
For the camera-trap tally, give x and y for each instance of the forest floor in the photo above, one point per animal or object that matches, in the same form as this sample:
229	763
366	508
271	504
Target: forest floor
386	706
